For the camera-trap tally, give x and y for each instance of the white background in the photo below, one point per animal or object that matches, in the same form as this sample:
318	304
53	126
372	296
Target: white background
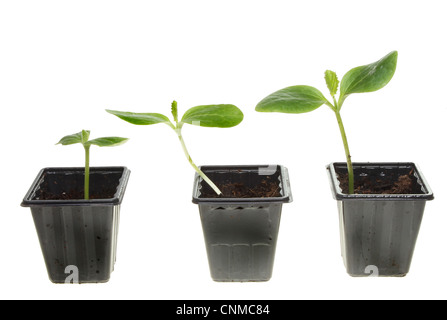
63	62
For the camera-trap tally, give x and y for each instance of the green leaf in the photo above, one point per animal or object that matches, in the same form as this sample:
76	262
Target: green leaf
296	99
71	139
369	78
221	116
174	110
331	81
108	141
141	118
85	134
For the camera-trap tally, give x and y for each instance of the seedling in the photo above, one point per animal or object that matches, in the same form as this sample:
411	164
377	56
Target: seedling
301	99
82	138
219	116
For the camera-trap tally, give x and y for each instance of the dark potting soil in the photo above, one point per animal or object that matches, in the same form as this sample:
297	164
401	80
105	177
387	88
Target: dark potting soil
73	195
400	184
267	188
71	187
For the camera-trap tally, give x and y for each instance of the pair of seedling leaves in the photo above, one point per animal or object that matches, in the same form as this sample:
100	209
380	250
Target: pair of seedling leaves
301	99
295	99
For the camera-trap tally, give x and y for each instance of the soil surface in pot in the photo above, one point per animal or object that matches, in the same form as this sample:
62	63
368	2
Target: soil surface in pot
71	187
404	183
266	188
73	195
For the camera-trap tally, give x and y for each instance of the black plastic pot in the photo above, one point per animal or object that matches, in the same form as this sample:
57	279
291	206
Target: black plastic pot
78	233
241	233
379	231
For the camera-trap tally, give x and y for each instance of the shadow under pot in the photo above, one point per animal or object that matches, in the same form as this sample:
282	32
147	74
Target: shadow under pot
378	231
78	237
241	226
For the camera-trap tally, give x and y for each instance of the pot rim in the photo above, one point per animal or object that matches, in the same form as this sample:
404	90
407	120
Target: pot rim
116	200
339	195
284	179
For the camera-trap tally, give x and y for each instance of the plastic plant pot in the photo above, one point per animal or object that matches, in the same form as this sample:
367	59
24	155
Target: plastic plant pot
379	231
241	233
78	238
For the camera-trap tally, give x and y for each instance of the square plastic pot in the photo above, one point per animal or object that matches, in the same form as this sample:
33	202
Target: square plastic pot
78	238
379	231
241	233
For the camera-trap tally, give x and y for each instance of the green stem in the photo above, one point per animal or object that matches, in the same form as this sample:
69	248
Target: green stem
87	172
348	154
204	177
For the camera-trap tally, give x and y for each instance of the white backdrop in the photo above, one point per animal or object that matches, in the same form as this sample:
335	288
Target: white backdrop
62	63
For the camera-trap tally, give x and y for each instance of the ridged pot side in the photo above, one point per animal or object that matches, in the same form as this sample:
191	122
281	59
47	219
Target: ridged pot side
379	231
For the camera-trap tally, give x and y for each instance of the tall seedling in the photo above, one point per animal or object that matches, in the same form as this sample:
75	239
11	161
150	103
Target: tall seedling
301	99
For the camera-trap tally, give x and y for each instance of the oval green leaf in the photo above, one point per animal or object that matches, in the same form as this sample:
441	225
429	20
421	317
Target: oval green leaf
221	116
72	139
295	99
141	118
107	141
369	78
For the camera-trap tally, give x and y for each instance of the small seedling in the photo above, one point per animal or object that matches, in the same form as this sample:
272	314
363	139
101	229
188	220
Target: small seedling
301	99
82	138
218	116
